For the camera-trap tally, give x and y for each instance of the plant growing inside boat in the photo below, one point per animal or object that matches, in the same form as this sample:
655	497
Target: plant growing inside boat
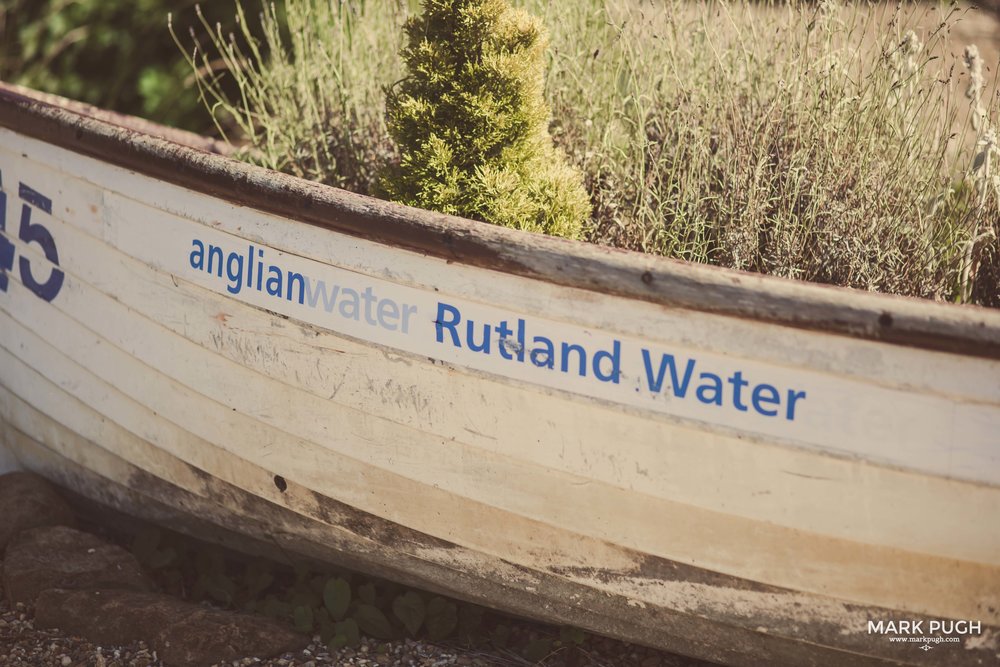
471	121
798	139
310	100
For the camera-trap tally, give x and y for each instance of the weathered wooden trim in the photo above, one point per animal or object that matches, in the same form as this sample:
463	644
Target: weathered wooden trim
134	123
967	330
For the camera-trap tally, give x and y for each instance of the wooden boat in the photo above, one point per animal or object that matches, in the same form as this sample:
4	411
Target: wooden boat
744	469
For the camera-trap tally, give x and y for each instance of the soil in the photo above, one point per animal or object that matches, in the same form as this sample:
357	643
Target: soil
112	612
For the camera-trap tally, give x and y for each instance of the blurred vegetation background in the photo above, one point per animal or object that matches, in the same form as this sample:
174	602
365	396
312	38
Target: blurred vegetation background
115	54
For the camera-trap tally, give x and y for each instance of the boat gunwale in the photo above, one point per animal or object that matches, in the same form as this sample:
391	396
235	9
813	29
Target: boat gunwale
197	163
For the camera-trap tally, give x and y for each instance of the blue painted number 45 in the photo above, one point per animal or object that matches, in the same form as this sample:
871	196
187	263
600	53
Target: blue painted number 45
29	232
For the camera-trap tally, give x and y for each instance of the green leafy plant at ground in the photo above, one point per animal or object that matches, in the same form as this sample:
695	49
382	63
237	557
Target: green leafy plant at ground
471	121
803	140
340	607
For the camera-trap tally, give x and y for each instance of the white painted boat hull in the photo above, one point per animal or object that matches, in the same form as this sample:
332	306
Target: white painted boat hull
744	469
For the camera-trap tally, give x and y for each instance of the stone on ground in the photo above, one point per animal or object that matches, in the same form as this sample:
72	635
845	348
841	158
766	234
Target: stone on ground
181	633
29	501
208	636
62	557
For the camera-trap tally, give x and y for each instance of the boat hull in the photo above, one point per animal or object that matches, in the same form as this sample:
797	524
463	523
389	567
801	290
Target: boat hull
737	468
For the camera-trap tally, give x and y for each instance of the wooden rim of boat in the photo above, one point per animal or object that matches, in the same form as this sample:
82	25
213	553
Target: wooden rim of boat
197	163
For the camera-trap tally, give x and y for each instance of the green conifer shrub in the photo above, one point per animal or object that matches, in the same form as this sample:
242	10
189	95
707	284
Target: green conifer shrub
471	121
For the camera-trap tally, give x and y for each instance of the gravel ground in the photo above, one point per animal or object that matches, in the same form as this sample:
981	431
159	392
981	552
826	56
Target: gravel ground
24	645
43	554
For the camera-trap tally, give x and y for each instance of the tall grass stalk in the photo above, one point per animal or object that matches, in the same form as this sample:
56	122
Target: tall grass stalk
314	106
985	182
804	140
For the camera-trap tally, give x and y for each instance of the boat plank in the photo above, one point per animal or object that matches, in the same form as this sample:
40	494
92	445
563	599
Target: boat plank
894	366
919	437
864	573
974	332
750	482
505	587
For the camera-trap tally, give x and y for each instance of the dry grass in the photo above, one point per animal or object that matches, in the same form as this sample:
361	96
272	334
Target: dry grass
811	141
315	106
